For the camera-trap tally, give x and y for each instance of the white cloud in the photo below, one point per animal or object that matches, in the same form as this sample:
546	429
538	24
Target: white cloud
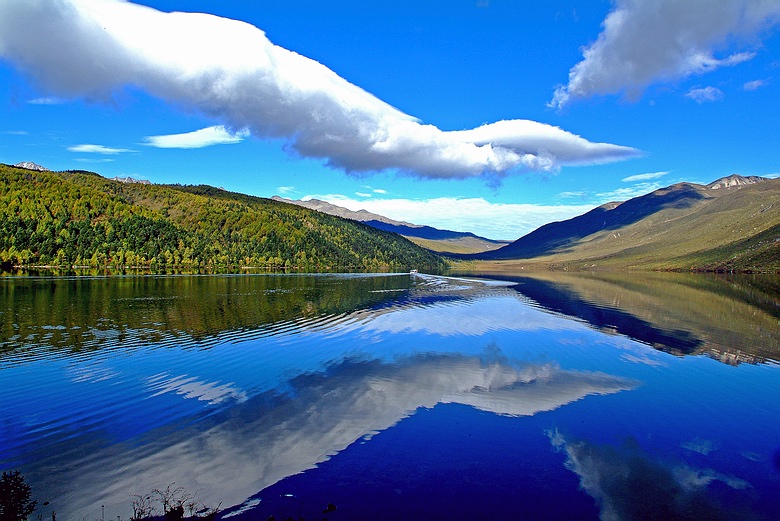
284	190
624	194
379	191
229	71
705	95
45	101
644	177
205	137
363	194
97	149
101	160
754	85
500	221
642	43
574	195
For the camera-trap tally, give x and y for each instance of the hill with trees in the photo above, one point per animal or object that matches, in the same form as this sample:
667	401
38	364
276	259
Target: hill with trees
78	218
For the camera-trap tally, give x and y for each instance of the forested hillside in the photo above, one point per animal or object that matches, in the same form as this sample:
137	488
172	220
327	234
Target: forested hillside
79	218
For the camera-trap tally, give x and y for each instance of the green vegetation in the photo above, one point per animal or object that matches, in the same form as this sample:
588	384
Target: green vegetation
15	502
77	218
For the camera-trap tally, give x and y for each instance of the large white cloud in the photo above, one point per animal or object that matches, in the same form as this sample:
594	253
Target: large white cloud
647	41
230	71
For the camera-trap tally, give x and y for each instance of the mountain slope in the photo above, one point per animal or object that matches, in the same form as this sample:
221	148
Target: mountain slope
731	224
435	239
81	218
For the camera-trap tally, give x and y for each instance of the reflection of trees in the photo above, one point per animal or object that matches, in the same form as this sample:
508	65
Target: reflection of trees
89	313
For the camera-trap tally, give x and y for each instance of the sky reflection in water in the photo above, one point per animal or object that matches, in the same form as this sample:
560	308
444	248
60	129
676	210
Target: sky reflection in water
249	389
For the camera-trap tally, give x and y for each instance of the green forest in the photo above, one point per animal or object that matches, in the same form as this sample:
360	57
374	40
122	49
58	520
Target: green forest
81	219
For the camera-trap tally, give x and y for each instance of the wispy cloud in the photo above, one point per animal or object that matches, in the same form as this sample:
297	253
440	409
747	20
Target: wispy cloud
45	101
16	133
644	177
97	149
286	190
642	43
500	221
705	95
205	137
89	160
574	195
754	85
624	194
230	71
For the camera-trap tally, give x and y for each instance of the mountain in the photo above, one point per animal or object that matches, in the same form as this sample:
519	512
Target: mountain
130	180
29	165
339	211
735	180
441	241
730	224
80	218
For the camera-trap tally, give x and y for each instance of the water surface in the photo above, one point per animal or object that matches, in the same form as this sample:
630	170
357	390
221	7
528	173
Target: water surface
396	397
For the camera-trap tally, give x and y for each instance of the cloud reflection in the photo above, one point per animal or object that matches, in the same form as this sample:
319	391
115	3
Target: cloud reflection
234	454
627	485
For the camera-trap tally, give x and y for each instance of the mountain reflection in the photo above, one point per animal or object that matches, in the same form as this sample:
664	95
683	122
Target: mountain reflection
733	319
239	451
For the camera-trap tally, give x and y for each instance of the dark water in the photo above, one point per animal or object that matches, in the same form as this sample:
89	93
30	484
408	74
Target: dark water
396	397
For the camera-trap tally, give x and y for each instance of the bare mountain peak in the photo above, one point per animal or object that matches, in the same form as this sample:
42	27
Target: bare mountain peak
338	211
735	180
130	180
29	165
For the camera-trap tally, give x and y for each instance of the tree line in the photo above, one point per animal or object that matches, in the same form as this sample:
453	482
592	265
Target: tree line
78	218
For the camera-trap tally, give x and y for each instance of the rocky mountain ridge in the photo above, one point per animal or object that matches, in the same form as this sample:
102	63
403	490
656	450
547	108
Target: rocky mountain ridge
29	165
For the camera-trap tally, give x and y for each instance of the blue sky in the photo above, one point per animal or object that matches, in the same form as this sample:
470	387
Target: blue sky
487	116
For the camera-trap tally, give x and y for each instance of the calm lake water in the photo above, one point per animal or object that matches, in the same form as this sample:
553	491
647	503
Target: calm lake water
395	396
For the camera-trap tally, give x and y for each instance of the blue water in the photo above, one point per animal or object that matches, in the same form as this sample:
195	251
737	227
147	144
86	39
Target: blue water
394	397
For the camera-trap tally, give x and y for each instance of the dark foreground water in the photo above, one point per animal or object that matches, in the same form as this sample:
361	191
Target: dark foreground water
394	396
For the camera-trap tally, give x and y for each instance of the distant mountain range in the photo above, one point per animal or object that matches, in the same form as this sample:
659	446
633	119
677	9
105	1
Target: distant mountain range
435	239
731	224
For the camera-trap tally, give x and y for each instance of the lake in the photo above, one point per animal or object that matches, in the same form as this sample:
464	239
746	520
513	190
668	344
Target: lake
395	396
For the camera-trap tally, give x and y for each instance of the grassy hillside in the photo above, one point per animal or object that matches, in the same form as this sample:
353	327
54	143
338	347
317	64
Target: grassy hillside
462	245
80	218
682	227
